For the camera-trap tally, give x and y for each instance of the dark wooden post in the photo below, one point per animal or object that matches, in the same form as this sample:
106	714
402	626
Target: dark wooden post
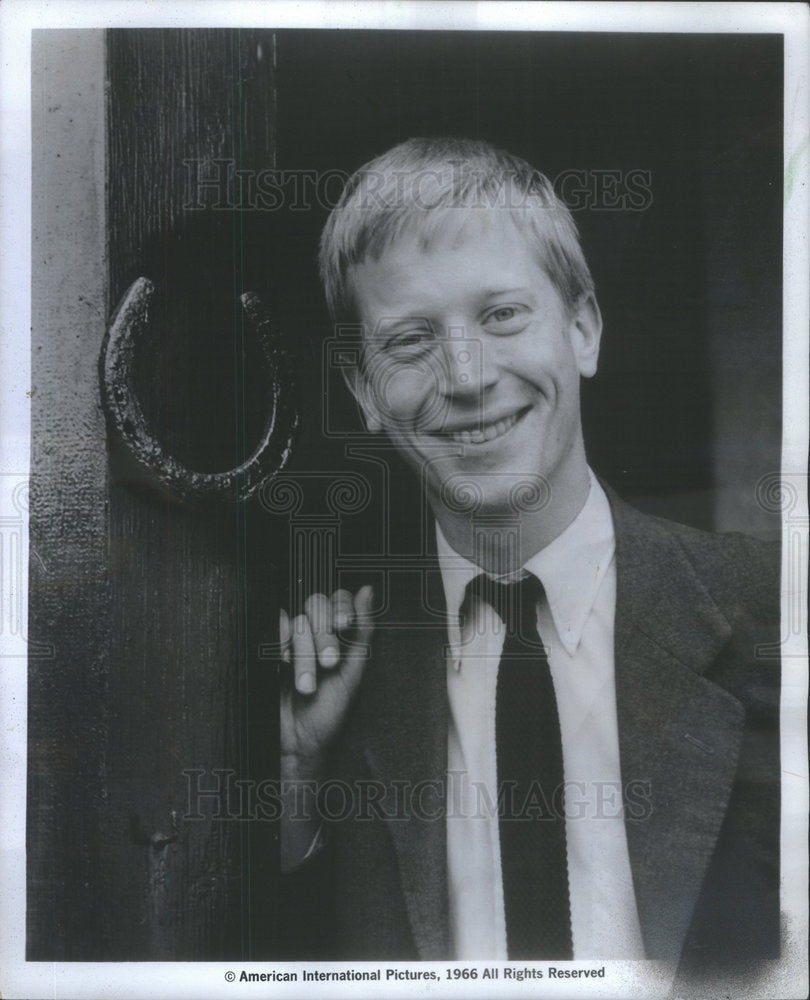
155	606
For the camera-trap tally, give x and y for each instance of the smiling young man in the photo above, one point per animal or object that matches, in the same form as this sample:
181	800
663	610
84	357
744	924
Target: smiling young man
560	743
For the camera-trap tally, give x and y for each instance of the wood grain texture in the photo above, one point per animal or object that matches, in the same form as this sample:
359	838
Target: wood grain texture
156	608
182	650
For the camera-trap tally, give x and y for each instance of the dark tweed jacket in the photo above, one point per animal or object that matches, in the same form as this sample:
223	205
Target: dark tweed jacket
697	680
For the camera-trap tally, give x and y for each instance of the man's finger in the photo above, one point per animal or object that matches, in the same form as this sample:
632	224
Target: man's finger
304	663
342	610
319	611
357	652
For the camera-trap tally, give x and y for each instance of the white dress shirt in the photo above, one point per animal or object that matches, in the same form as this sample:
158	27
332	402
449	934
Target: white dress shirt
575	622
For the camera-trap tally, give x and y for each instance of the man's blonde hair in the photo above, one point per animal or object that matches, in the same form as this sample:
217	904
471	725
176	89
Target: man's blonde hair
420	186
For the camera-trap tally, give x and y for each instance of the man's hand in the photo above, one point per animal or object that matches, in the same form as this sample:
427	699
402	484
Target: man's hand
327	647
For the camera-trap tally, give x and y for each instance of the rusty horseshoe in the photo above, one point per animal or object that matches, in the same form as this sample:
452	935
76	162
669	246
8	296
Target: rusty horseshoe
126	417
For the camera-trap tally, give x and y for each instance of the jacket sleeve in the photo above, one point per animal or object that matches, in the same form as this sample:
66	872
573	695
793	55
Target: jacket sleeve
306	910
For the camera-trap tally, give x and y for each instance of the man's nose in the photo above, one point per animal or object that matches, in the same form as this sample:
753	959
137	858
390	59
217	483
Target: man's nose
468	363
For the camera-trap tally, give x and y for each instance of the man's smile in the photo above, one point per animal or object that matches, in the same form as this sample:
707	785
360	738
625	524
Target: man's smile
479	432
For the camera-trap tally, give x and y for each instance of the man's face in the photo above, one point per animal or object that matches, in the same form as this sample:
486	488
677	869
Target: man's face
473	363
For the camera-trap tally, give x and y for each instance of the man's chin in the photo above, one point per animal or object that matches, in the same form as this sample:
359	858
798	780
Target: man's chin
489	494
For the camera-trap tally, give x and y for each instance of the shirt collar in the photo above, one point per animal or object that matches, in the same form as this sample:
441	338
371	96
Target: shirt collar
571	569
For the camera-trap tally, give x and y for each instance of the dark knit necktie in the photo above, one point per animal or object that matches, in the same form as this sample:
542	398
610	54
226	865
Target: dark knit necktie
531	820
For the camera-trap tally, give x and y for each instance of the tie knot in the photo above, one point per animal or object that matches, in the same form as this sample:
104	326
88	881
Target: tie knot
515	603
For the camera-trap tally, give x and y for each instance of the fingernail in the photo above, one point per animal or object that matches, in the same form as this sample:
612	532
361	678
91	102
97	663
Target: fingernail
329	656
342	620
306	683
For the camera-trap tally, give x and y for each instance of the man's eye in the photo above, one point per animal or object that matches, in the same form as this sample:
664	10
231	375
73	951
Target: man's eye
503	313
506	320
412	338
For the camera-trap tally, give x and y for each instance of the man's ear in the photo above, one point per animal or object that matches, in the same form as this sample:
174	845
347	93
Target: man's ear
586	334
358	387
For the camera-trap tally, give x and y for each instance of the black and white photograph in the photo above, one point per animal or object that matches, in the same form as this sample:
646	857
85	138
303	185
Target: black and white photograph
403	494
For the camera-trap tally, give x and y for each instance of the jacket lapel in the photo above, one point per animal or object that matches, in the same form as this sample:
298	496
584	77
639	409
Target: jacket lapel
409	752
678	731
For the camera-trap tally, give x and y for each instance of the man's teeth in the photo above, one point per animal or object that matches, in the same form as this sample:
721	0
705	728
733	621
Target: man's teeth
488	433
